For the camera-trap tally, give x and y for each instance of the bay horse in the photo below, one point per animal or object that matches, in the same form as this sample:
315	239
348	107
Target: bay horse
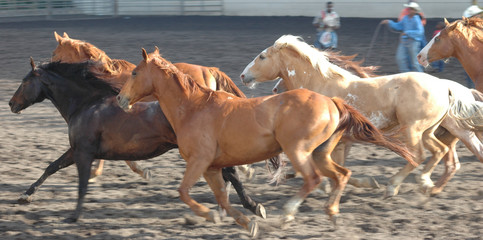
415	104
98	127
462	39
117	71
216	129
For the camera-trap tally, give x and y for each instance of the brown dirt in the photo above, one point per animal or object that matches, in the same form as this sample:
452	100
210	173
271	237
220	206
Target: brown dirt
122	205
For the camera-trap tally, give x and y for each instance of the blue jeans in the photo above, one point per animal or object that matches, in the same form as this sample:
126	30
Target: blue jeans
406	55
438	65
319	45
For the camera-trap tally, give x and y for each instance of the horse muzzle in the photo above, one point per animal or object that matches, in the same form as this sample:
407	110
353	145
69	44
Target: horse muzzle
123	102
15	108
248	80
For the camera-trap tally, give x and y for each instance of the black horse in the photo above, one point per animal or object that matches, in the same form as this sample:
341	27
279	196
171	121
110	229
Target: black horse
98	127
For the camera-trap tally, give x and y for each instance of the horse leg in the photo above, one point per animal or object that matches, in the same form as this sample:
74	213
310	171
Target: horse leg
339	155
452	165
229	174
84	163
194	169
63	161
413	142
451	162
214	179
468	137
438	150
97	171
247	170
332	170
302	163
143	172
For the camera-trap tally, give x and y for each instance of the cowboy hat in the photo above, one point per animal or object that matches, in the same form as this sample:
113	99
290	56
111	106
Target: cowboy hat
413	5
472	11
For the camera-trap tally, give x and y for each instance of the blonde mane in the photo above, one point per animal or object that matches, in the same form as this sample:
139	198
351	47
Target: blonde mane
318	59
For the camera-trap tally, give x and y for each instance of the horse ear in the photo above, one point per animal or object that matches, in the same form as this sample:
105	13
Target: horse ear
156	50
446	23
65	35
32	63
58	38
145	55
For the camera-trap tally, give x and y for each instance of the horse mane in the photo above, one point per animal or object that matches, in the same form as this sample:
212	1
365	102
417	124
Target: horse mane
185	81
469	28
318	59
111	67
348	63
80	74
225	83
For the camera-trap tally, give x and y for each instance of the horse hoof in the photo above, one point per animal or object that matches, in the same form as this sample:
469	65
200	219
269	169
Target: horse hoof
147	174
93	179
25	199
435	191
221	212
253	228
374	183
70	220
391	191
214	217
260	211
250	174
333	219
286	221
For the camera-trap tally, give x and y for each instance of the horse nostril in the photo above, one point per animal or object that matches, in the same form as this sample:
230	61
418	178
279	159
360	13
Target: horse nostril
118	98
10	103
242	76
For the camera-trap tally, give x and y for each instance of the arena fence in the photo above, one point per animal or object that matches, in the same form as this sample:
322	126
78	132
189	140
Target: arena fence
58	9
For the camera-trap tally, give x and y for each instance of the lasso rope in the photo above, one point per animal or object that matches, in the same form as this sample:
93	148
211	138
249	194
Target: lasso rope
374	38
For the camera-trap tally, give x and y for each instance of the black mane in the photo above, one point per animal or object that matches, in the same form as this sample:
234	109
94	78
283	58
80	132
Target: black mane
81	75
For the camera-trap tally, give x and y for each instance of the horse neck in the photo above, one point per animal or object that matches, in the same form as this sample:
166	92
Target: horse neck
470	59
176	99
67	96
303	75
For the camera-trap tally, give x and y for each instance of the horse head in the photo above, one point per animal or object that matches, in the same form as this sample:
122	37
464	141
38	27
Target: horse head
29	91
140	83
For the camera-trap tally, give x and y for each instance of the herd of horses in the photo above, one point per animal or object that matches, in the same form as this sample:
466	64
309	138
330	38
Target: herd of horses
324	102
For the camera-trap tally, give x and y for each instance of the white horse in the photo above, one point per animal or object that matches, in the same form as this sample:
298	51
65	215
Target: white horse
412	104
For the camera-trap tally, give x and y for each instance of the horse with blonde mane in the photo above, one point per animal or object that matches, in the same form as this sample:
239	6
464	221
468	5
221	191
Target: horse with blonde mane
413	104
216	129
462	39
118	71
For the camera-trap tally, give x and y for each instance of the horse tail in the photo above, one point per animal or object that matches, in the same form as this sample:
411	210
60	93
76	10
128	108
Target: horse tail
359	128
223	82
467	114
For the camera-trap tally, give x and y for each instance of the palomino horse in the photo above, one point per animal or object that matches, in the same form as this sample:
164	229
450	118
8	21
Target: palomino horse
218	129
94	118
117	71
462	39
414	104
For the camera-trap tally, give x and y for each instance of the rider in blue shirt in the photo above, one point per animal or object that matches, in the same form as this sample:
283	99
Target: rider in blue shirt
411	39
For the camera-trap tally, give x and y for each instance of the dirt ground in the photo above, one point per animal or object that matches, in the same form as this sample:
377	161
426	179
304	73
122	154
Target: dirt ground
123	205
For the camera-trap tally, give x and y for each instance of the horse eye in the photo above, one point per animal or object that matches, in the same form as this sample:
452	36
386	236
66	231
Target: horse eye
262	57
133	73
436	39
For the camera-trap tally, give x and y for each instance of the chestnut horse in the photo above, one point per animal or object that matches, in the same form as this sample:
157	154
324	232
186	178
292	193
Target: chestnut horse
415	104
117	71
95	119
462	39
216	129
